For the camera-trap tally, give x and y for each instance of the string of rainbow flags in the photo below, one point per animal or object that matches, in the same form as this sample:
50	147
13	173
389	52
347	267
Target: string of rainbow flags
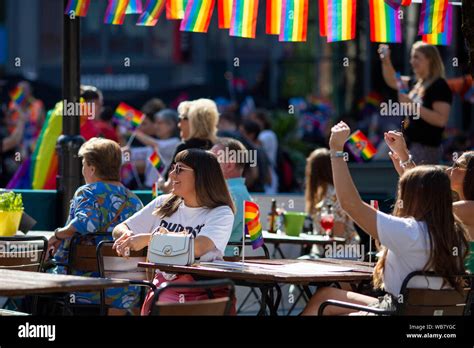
286	18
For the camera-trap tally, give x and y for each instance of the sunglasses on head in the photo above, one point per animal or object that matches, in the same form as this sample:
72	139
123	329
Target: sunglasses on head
457	165
177	168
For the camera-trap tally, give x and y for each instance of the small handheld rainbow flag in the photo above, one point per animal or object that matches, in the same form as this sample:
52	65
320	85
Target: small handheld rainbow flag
341	24
134	7
445	37
175	9
115	12
273	22
252	224
385	24
244	18
128	116
197	16
78	7
154	190
432	17
360	146
152	13
395	4
224	10
156	161
294	20
17	95
323	18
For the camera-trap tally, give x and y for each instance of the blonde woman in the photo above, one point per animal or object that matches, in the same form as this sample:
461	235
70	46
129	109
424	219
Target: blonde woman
198	128
424	127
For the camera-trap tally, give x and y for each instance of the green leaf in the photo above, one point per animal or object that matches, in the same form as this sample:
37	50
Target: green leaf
11	201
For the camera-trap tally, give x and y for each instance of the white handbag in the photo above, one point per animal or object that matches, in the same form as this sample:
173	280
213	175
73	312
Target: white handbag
171	249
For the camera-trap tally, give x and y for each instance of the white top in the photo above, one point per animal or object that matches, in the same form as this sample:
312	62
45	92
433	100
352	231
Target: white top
269	142
407	241
215	224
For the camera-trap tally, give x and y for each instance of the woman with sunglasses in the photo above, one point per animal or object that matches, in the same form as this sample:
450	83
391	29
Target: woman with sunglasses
461	174
199	203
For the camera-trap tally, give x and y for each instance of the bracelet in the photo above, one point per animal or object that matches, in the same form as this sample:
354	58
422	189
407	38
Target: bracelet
404	164
338	154
55	234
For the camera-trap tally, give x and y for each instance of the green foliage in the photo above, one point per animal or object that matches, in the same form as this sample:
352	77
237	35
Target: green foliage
11	201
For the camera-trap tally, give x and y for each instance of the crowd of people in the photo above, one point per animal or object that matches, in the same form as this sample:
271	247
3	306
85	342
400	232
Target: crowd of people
203	194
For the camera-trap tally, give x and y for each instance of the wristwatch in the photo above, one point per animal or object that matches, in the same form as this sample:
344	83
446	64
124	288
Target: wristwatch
338	154
408	161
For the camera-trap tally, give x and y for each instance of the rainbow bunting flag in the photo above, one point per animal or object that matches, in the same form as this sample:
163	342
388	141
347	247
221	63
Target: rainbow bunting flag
152	12
273	23
134	7
78	7
17	95
323	17
360	146
341	20
385	24
157	162
224	10
252	224
294	20
128	116
175	9
115	12
395	4
432	17
197	16
445	37
244	18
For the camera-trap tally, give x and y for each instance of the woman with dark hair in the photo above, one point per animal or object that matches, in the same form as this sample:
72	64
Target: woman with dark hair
320	192
420	235
199	203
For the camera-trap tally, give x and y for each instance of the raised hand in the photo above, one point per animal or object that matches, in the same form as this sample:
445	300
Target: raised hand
339	134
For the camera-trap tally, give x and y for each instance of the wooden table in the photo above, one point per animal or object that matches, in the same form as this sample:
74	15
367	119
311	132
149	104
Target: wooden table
21	283
268	279
304	240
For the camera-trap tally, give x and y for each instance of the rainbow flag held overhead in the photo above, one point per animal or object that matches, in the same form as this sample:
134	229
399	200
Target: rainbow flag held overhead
273	20
77	7
252	224
244	18
115	12
197	16
152	13
385	23
341	20
224	10
134	7
396	4
128	116
17	95
156	161
323	17
175	9
360	146
294	20
432	17
444	38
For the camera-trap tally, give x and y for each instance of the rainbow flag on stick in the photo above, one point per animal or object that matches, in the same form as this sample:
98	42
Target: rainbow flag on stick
395	4
198	16
360	146
432	17
115	12
78	7
341	23
224	10
128	116
385	23
323	17
252	224
134	7
17	95
157	162
152	12
294	20
175	9
244	18
273	23
445	37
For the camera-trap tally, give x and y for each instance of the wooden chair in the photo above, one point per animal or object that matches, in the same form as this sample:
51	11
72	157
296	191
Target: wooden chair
426	302
211	306
22	254
111	265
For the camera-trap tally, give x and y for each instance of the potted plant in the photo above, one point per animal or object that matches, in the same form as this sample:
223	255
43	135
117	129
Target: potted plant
11	210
